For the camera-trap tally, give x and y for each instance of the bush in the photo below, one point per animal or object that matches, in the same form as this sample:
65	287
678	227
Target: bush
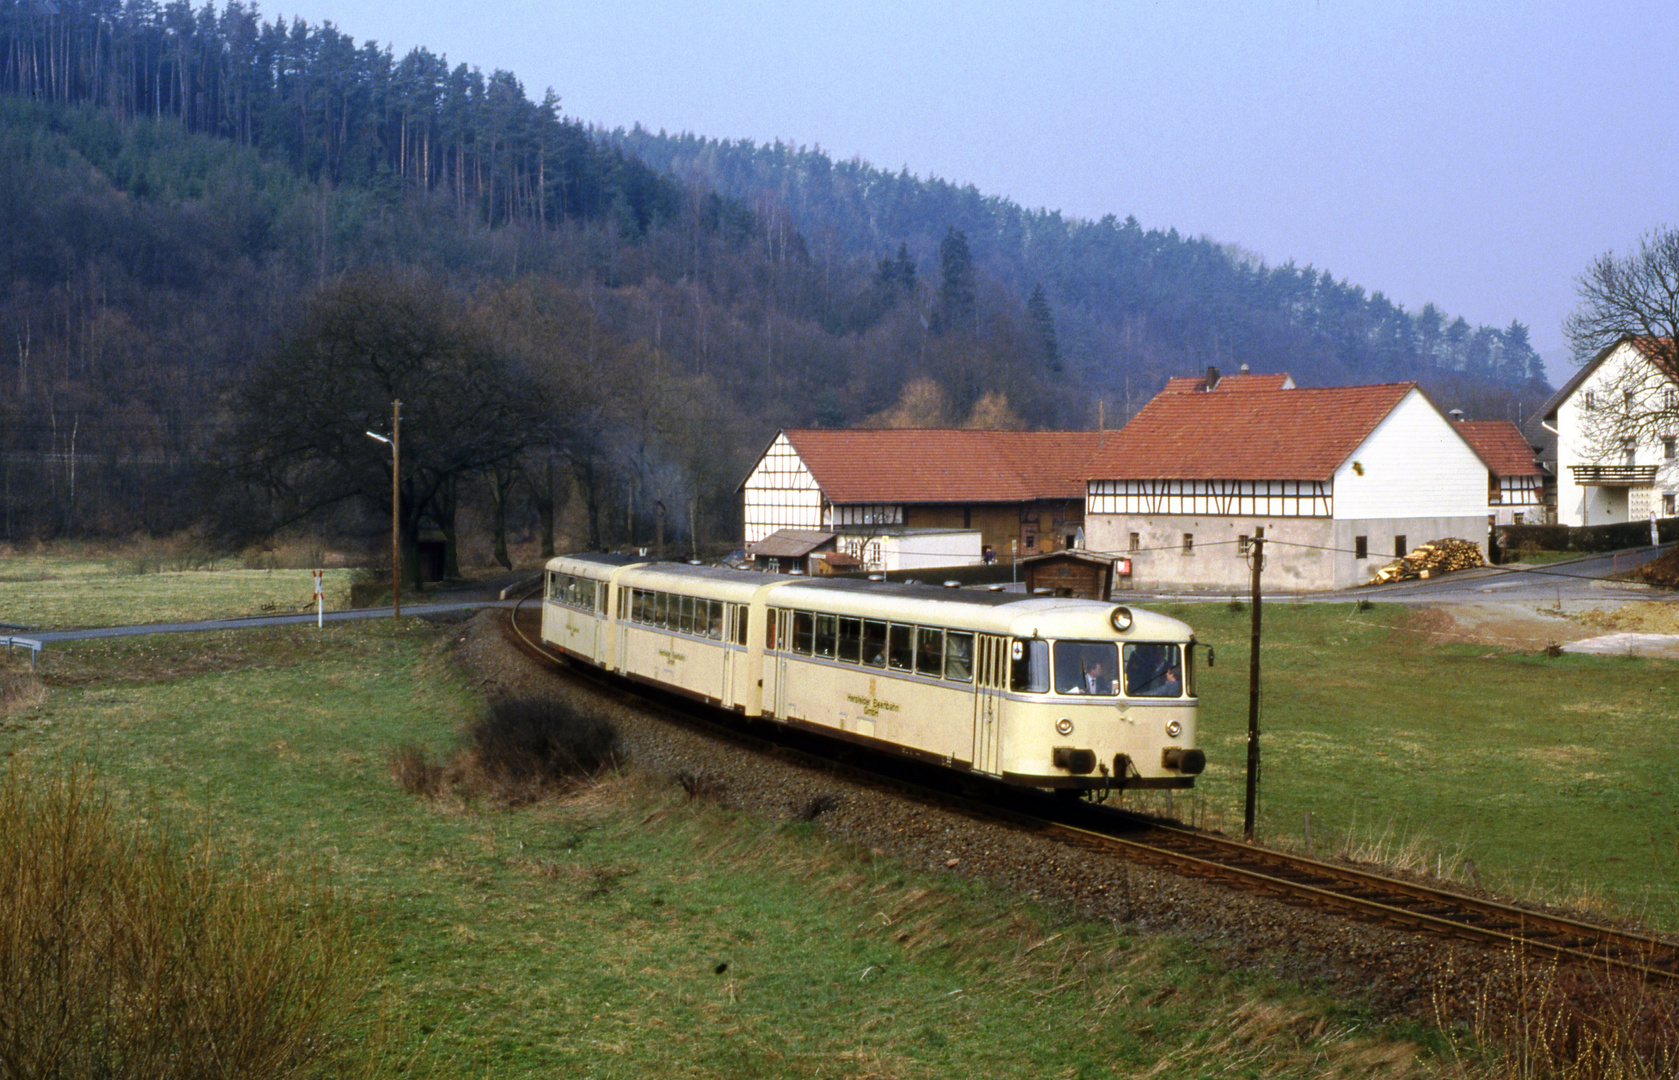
123	954
530	743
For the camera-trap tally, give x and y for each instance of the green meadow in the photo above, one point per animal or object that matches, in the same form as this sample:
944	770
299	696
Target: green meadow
628	930
1551	778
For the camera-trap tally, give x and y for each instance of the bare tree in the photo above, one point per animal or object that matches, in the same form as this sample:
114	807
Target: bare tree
1631	300
298	427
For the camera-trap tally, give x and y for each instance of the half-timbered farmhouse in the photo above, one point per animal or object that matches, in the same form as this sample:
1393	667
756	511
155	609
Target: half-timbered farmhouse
1616	423
1022	491
1337	480
1515	482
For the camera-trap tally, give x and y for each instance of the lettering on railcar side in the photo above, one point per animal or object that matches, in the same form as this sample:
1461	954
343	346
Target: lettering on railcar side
672	656
871	706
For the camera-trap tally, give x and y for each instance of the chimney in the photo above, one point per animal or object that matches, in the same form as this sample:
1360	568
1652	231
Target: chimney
1212	378
1456	415
1244	369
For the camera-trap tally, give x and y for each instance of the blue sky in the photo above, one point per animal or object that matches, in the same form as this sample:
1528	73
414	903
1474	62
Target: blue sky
1474	155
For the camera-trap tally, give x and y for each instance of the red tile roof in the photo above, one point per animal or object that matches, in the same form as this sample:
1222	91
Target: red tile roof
1501	445
1197	384
1259	435
943	465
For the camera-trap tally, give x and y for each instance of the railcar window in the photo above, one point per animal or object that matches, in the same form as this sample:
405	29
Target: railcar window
851	640
874	643
1029	668
959	656
803	632
900	650
644	606
589	595
1153	671
825	635
770	625
548	585
1086	667
714	627
685	615
929	652
740	625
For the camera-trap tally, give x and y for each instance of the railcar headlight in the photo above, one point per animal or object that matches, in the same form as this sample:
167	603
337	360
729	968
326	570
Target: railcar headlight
1064	725
1121	619
1173	729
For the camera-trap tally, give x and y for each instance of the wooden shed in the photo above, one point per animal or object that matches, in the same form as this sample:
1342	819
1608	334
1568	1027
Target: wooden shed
1069	573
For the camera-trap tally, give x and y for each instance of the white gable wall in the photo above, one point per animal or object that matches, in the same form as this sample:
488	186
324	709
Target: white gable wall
1590	504
780	493
1413	465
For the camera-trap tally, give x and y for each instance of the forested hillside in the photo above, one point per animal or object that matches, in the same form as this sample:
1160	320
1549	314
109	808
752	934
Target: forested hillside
190	202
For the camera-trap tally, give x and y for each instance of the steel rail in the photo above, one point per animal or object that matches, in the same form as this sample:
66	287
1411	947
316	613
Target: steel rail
1363	894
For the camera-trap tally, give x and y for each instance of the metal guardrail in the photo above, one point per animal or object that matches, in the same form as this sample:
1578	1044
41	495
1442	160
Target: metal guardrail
31	644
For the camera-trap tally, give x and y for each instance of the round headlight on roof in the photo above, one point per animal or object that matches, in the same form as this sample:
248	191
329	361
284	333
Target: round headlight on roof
1121	619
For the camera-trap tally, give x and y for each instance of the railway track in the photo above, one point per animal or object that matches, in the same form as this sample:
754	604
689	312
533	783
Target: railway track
1292	879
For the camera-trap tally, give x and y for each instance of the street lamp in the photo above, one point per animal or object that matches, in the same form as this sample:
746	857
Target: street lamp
395	443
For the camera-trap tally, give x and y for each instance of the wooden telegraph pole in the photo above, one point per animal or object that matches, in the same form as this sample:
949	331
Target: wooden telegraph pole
1258	553
396	509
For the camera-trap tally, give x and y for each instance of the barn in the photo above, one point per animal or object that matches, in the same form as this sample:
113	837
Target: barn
1337	480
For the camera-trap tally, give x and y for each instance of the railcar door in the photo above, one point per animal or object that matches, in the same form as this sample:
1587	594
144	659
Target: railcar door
990	675
782	623
731	656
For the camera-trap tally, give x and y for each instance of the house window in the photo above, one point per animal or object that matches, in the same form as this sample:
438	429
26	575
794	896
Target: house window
1242	543
1136	541
1668	447
1361	547
1591	400
1629	451
1031	543
1189	543
1399	548
1668	507
1519	517
1627	399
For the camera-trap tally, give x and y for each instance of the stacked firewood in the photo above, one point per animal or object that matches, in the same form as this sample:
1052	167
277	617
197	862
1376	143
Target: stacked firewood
1434	557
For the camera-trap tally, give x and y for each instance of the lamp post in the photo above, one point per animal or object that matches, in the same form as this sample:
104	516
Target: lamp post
395	442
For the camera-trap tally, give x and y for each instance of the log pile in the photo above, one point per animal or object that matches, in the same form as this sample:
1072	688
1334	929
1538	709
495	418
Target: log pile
1434	557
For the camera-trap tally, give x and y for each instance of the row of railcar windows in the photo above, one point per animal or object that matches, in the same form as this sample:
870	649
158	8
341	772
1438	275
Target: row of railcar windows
923	650
684	614
573	591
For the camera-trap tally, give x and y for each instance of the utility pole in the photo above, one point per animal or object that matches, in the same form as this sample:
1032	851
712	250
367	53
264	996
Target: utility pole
396	509
1257	553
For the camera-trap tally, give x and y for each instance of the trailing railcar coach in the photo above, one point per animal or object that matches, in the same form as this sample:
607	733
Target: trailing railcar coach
1032	690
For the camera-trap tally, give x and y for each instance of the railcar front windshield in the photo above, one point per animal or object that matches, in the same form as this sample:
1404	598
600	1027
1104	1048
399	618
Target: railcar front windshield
1154	670
1086	667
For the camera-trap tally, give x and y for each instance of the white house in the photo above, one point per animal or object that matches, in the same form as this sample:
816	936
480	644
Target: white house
1616	422
1337	480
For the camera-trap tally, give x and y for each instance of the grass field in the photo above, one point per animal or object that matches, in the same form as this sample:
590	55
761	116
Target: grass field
1555	778
55	591
633	932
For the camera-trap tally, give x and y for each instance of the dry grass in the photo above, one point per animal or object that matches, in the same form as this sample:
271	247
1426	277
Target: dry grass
125	954
20	686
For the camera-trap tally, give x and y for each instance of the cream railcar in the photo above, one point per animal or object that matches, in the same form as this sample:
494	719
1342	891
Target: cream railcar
1037	691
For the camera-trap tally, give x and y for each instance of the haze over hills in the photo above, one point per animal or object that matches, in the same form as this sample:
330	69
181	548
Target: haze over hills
176	185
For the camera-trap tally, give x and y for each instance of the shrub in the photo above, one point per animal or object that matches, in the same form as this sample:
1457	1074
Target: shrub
527	745
123	954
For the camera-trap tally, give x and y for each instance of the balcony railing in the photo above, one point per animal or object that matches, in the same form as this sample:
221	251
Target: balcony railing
1614	475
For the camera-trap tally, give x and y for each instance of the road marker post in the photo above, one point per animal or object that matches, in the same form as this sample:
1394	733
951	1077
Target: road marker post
320	600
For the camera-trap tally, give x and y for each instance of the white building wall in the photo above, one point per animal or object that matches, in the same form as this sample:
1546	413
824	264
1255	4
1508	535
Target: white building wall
1590	504
780	493
1413	465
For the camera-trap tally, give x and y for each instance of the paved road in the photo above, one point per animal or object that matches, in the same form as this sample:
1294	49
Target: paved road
49	636
1568	585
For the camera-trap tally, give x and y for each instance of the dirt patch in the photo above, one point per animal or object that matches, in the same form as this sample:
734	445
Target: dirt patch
1518	627
1642	617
